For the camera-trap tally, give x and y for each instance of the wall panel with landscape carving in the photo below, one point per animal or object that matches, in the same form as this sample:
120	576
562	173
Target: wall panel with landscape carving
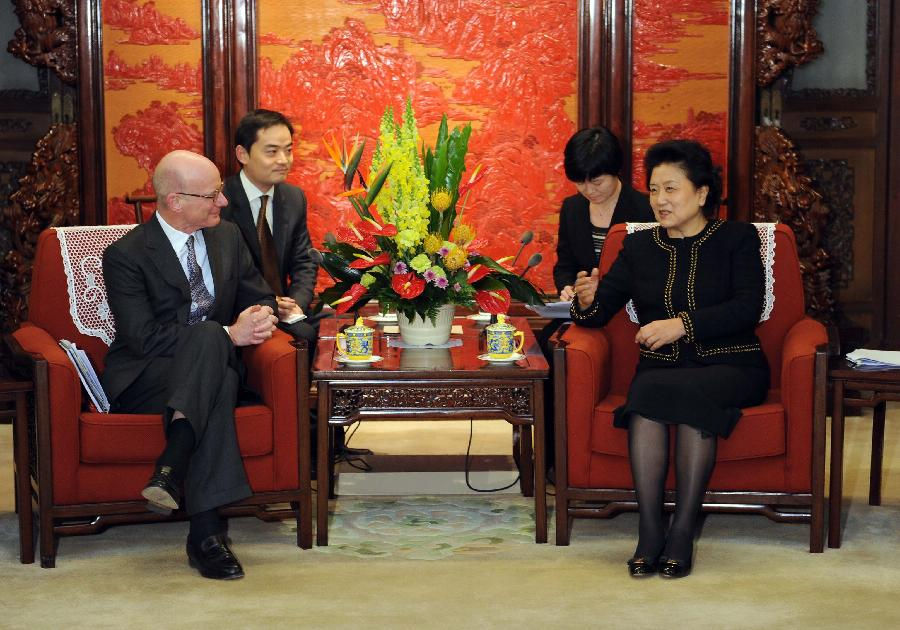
152	73
680	76
509	69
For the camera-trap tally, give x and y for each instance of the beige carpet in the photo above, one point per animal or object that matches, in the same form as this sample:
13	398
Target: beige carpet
750	573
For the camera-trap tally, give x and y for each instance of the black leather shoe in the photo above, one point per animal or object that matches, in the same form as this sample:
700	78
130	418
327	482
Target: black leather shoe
214	559
642	567
669	568
162	491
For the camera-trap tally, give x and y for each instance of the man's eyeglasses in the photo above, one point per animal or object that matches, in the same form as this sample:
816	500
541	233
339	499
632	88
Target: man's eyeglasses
213	195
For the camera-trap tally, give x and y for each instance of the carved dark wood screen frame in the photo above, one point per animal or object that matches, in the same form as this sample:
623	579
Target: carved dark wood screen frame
871	71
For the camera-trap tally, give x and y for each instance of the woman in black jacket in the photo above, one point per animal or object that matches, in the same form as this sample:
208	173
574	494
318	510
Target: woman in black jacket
593	160
698	288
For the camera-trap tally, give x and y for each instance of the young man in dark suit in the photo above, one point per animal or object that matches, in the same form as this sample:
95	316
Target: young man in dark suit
279	239
184	293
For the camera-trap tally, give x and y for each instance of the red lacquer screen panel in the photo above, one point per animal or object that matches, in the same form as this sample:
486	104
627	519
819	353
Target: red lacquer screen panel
152	74
510	70
680	78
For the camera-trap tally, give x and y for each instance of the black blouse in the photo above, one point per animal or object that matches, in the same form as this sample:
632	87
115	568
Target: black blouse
575	246
713	281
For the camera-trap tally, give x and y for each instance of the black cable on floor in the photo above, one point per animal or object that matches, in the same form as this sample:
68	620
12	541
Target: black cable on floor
468	450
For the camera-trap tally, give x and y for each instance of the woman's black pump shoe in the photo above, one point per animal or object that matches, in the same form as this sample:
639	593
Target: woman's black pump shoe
669	568
642	567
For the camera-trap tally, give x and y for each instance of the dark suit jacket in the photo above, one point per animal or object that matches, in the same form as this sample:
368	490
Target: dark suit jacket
713	281
149	295
289	232
574	247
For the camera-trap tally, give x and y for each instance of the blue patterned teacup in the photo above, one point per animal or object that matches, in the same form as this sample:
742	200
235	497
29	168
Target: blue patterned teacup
358	341
501	339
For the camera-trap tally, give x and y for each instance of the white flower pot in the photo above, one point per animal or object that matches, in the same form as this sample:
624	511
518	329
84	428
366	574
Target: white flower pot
420	333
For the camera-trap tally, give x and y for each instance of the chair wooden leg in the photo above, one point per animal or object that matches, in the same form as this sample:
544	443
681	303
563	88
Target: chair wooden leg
877	454
562	517
23	481
48	540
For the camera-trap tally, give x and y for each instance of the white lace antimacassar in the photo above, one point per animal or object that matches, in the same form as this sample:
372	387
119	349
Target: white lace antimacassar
766	252
82	250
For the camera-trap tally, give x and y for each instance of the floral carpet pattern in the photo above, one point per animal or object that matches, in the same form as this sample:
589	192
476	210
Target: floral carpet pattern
428	528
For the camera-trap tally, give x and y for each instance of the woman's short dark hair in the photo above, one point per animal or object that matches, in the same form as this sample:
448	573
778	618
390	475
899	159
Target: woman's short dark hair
695	160
252	122
592	152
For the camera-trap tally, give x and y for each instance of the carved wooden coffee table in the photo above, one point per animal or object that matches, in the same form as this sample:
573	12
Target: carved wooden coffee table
432	384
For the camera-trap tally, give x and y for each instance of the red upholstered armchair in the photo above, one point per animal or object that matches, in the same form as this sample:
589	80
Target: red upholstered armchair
774	461
84	470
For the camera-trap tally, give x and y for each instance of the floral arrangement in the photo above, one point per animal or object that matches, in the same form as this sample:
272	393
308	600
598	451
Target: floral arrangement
410	247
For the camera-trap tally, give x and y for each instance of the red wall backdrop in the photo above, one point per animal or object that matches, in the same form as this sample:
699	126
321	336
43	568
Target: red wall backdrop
681	52
152	56
510	70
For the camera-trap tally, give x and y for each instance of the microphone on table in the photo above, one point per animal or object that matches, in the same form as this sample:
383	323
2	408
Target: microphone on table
534	261
526	238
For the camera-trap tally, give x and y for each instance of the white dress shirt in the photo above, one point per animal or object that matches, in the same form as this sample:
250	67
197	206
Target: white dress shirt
253	196
178	241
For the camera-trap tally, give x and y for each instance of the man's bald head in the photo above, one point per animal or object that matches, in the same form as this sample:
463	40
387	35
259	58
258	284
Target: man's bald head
174	173
188	189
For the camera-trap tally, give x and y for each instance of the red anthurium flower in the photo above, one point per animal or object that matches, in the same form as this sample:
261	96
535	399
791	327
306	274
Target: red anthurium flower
351	296
407	285
493	301
372	226
365	262
477	272
357	235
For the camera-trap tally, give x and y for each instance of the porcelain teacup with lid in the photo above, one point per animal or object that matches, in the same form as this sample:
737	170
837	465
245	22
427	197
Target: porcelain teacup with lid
501	339
358	341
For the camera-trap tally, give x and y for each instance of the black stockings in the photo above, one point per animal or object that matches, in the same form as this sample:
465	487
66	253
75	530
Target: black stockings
695	456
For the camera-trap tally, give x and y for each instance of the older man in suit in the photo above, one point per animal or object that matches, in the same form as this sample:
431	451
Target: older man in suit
185	292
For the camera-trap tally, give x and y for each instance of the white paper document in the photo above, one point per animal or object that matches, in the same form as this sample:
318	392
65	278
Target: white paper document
553	310
874	358
86	373
293	318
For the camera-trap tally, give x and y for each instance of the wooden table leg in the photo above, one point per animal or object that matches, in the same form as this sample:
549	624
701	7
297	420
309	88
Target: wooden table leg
323	458
877	453
526	461
835	493
22	468
540	481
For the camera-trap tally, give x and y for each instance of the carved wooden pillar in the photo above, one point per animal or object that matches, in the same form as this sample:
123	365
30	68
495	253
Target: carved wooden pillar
229	74
785	38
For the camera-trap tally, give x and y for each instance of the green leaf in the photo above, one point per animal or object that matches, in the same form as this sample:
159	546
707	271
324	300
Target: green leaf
522	290
361	210
336	265
376	184
427	158
458	144
353	165
439	168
